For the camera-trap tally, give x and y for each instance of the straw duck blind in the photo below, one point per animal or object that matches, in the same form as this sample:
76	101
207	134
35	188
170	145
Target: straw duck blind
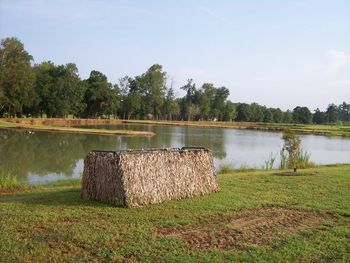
139	177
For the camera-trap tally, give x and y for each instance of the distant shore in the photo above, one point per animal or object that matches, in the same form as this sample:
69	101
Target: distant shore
64	125
327	130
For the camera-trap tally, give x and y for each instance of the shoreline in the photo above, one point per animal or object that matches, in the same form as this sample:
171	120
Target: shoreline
64	125
314	129
68	129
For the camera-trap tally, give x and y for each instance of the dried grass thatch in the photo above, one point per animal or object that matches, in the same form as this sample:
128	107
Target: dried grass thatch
136	177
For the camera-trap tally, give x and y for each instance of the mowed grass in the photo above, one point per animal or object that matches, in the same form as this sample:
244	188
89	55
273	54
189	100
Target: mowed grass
52	224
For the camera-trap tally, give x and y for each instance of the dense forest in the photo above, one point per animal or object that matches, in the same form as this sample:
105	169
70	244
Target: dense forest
50	90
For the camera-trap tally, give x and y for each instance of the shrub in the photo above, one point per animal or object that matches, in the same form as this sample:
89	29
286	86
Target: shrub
292	155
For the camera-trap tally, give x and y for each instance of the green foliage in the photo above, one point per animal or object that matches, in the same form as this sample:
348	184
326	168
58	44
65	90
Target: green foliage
100	96
302	115
332	113
319	117
59	89
291	155
16	77
291	147
243	112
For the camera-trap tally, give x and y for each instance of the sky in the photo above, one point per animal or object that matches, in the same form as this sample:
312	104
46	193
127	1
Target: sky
277	53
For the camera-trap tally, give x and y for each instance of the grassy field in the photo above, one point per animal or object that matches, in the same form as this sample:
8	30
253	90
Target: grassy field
328	130
260	216
29	127
64	125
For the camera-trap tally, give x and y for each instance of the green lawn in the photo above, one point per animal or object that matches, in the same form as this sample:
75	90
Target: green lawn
256	217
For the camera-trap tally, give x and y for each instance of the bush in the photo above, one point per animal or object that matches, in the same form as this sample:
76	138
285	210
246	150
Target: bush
292	155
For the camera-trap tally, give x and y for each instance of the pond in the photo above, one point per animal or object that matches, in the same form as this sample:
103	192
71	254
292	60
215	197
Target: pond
39	157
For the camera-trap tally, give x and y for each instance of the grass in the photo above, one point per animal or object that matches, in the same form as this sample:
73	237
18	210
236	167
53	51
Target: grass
328	130
53	224
9	182
61	125
29	127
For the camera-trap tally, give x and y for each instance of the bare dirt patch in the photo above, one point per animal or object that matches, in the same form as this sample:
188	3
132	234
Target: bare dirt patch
249	227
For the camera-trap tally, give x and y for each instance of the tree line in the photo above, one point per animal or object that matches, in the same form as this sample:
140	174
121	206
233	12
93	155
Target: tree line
50	90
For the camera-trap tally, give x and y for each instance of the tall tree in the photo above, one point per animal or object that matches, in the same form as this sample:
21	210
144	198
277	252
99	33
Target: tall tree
243	112
344	111
171	107
206	96
188	102
99	96
16	77
60	90
256	112
219	102
319	117
332	113
152	86
302	115
229	111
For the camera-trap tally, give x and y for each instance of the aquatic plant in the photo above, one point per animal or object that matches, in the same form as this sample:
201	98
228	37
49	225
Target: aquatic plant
269	163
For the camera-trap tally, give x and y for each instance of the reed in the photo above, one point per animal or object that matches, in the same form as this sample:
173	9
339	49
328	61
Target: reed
9	182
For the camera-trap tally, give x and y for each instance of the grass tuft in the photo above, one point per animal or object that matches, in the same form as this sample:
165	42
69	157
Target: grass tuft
226	169
9	182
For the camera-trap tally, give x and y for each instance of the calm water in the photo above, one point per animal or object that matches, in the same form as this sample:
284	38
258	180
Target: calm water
41	156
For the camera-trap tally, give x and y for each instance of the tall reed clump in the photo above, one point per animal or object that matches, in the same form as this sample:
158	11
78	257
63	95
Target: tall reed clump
9	182
292	156
270	162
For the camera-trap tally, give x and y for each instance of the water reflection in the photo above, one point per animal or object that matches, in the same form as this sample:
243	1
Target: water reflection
43	156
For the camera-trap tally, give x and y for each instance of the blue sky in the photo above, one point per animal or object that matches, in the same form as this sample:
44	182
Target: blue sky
278	53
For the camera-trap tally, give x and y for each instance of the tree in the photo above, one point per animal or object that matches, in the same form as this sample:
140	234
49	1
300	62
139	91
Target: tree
344	111
16	77
302	115
219	102
291	146
287	117
206	96
188	107
171	107
152	88
319	117
268	116
59	89
332	113
256	112
99	96
229	111
243	112
277	115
